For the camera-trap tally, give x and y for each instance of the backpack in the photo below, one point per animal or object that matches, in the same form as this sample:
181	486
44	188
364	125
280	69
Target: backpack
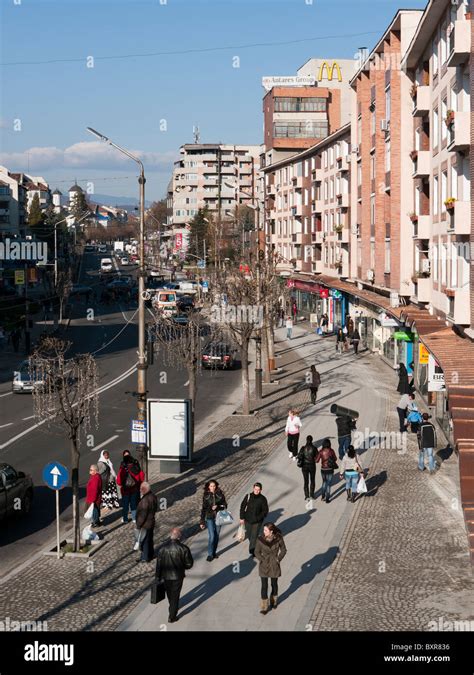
130	481
104	473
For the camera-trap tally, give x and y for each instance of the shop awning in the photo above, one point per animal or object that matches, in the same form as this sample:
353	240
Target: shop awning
403	336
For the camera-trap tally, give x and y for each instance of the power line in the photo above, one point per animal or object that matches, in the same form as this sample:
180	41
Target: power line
193	51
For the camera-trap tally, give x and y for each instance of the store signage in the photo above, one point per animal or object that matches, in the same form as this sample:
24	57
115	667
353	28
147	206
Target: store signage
337	295
329	71
423	355
290	81
387	321
435	375
178	241
324	292
19	277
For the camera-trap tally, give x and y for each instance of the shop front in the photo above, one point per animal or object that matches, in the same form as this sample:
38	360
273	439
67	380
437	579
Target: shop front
430	384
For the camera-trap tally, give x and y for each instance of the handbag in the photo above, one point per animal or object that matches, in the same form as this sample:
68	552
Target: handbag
361	485
158	592
89	512
224	518
332	464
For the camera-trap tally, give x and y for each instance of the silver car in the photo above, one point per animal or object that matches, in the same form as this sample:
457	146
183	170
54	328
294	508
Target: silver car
24	380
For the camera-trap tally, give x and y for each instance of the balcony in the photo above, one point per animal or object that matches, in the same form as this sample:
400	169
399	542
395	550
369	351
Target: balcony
459	43
343	200
320	236
317	206
297	238
423	289
271	189
422	102
297	211
343	235
459	133
272	215
459	218
421	165
422	227
342	163
317	266
317	175
460	314
297	182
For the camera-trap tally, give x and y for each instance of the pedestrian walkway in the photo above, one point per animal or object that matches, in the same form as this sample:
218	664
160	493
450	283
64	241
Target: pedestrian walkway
224	594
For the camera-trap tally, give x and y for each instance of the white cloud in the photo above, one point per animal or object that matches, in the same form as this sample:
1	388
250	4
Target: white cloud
85	155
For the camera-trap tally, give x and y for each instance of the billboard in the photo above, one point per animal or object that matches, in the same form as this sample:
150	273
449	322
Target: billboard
169	429
289	81
435	375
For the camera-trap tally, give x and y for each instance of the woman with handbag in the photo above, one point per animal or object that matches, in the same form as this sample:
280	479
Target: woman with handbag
351	470
213	500
328	460
270	550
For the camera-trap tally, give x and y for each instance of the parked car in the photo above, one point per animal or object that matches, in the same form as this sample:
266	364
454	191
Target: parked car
102	248
16	492
124	260
218	355
185	303
180	318
89	248
78	290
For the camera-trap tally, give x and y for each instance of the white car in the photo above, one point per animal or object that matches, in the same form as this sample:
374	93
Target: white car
106	265
102	248
124	261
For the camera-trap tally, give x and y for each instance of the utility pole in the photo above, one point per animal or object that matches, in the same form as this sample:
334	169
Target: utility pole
55	255
218	224
258	341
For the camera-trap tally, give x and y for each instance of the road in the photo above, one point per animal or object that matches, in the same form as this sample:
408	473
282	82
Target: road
112	335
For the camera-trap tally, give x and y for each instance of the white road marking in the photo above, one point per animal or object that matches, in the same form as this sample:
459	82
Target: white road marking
186	384
28	418
2	426
7	394
109	440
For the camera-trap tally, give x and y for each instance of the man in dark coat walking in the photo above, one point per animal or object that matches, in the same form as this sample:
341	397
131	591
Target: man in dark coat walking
172	559
253	511
146	509
345	425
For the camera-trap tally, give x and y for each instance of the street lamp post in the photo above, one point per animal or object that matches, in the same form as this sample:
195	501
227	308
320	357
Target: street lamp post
142	361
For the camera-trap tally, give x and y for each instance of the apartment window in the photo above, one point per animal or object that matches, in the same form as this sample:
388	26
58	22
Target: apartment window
434	47
387	156
338	185
387	256
444	189
454	266
306	168
435	262
372	123
306	197
435	195
443	264
325	189
331	156
444	110
435	128
444	50
307	129
388	103
191	176
372	210
286	175
359	173
326	221
453	98
325	159
359	130
332	189
418	138
326	255
313	163
299	104
372	254
454	182
372	167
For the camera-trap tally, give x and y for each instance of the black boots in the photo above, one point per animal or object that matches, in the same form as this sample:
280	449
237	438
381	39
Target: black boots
348	495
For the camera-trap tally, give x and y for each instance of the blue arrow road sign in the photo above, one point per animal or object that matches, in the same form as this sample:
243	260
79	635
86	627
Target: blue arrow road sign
201	264
55	475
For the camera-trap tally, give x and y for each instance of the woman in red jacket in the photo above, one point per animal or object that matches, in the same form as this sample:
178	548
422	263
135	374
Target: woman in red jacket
94	494
129	478
328	460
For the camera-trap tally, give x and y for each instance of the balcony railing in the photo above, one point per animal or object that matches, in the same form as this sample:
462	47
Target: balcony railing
459	43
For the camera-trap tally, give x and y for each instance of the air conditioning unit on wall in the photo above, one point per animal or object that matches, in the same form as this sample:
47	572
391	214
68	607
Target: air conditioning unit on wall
384	125
425	265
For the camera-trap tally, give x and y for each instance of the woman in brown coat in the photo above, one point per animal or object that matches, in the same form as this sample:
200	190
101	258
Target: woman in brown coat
269	551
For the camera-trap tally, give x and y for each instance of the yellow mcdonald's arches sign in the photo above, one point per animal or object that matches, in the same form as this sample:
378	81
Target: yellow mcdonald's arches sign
329	71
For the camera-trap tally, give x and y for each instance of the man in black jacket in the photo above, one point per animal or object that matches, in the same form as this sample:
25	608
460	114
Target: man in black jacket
427	444
253	511
172	560
146	509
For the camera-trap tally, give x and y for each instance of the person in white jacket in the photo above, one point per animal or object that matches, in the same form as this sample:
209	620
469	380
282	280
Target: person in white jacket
292	431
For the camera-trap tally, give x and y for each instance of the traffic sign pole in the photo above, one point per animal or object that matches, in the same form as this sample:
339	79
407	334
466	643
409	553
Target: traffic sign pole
57	525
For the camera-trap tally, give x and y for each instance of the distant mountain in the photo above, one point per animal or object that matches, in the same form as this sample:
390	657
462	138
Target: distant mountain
127	203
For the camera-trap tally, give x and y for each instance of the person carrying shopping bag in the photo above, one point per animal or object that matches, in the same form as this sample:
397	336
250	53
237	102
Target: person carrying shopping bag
351	470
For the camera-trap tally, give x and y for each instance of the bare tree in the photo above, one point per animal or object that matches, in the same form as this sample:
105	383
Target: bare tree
66	393
62	288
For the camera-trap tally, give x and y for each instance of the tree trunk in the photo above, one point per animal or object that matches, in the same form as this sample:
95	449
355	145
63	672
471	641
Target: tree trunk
271	347
244	355
266	366
192	388
75	456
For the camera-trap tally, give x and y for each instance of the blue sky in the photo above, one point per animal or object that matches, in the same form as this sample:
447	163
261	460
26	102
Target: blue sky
46	84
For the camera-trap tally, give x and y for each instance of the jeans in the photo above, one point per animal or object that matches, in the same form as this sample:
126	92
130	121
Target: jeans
213	531
309	472
314	393
251	532
95	515
147	549
344	443
355	344
401	416
264	594
292	442
173	590
288	333
352	478
129	501
431	460
326	475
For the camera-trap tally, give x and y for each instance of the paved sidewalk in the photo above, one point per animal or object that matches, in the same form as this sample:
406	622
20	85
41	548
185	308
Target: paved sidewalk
224	594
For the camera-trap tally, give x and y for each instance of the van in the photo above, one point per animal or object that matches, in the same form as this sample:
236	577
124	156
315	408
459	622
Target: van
165	301
102	248
106	265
